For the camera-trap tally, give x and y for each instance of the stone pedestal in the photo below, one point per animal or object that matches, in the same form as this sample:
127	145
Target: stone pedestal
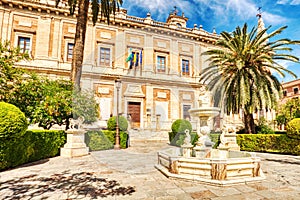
75	145
187	150
218	169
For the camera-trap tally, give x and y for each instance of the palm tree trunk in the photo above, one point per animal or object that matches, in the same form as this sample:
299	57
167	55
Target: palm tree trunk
249	123
82	17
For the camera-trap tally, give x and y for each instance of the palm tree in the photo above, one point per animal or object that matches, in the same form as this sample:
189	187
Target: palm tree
107	7
239	71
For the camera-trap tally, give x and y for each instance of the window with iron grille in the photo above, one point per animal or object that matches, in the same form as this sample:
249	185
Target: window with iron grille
24	44
161	64
70	51
185	67
186	114
104	56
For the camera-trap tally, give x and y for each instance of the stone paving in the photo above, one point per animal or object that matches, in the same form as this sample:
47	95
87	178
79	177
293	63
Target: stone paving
130	174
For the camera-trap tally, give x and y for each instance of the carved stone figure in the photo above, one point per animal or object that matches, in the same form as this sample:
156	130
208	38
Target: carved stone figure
205	99
204	140
187	140
76	123
228	138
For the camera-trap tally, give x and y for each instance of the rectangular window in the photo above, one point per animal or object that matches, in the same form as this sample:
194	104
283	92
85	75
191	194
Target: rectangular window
296	90
24	44
284	93
70	51
186	114
161	64
104	56
185	67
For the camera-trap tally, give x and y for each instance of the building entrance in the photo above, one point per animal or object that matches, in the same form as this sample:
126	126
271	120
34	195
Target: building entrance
134	110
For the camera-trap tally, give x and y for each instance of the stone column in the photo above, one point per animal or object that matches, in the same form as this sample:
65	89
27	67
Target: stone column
158	122
148	121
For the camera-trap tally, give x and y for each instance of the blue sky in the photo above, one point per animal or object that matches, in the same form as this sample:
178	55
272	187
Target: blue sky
226	15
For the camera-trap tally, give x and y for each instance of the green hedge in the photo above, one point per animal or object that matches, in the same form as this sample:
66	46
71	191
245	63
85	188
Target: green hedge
215	137
178	139
32	146
275	143
112	123
105	139
272	143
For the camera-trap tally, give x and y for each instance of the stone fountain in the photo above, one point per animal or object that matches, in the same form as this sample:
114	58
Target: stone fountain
223	166
205	112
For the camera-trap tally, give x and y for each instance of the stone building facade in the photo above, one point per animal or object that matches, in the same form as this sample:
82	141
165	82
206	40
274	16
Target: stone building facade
291	89
158	86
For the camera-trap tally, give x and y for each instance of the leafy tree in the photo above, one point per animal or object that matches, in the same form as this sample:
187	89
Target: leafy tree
107	7
84	105
10	76
55	106
288	111
28	94
239	70
43	101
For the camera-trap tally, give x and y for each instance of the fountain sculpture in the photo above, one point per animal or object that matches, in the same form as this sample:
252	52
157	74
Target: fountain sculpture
223	166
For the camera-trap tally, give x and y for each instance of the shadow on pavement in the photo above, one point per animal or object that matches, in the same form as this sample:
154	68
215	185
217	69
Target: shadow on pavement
81	184
283	161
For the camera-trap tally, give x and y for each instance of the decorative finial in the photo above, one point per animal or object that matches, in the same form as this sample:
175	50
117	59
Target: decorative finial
259	12
175	10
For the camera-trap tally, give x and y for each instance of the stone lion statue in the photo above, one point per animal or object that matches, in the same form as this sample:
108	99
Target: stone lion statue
76	123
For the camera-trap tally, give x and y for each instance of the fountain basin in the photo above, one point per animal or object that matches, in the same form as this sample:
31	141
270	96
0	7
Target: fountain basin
221	167
205	112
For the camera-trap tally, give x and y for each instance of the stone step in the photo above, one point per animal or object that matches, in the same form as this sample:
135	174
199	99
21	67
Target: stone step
147	135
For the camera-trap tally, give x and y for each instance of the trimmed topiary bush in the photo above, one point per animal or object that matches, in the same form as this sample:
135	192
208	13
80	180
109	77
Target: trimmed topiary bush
293	128
180	125
177	136
13	122
112	123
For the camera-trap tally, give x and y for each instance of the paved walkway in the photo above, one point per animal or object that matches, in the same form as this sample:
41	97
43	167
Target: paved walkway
130	174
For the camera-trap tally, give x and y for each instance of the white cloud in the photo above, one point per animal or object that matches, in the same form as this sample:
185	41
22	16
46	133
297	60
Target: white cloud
159	8
288	2
295	2
272	19
219	12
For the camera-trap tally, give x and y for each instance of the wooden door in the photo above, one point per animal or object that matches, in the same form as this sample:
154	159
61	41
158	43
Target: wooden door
134	110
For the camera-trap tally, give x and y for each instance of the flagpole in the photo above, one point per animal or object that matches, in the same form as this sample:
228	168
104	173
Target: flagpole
141	61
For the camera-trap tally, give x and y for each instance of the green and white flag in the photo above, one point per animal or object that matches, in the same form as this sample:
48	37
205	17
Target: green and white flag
129	58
